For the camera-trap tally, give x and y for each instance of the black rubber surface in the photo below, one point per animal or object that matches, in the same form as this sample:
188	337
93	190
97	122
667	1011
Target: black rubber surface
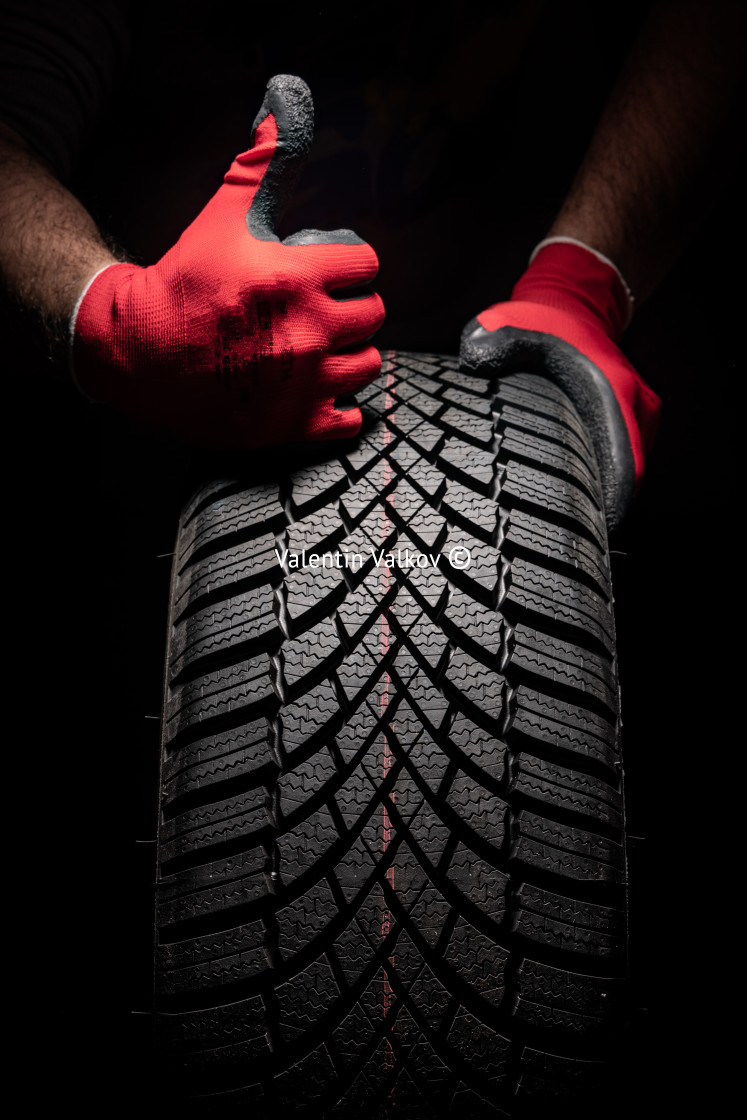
391	863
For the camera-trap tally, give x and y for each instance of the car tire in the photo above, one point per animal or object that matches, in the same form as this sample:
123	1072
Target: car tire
391	862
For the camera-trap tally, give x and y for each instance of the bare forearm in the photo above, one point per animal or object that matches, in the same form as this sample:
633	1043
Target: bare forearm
640	188
49	244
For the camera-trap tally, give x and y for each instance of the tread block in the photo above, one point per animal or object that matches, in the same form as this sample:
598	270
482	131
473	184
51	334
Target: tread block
213	888
191	1031
306	845
485	562
479	1045
469	429
226	573
468	509
565	663
296	786
551	457
479	961
561	429
243	620
311	482
480	747
197	950
480	626
468	464
251	512
246	965
566	923
568	789
420	472
567	851
199	829
306	1079
308	653
304	919
218	694
563	600
527	531
556	498
311	590
549	997
482	884
307	716
572	729
481	406
351	1040
364	454
239	753
479	810
557	1078
476	684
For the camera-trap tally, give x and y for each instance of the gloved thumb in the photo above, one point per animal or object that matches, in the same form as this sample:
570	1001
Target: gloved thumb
286	121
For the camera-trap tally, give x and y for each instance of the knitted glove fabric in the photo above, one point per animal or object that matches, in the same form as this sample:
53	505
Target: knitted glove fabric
235	338
565	319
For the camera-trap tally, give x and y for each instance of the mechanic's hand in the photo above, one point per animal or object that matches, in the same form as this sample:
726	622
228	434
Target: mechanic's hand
564	319
235	338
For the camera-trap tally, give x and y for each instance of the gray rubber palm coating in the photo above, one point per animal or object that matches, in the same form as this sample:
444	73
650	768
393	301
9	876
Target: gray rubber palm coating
485	352
289	100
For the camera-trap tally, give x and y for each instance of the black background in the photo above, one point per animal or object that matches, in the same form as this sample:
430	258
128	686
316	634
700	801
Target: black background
448	135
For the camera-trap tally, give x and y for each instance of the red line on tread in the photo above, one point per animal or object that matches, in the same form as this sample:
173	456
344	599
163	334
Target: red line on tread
386	917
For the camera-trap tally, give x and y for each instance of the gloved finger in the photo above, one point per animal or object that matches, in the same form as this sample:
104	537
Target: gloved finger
344	373
354	320
329	422
281	137
340	257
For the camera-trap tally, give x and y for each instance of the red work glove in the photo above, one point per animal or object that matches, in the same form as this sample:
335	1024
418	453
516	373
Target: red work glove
565	319
235	338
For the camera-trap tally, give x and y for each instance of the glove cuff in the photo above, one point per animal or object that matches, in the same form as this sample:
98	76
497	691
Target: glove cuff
560	240
72	323
568	275
92	336
82	296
